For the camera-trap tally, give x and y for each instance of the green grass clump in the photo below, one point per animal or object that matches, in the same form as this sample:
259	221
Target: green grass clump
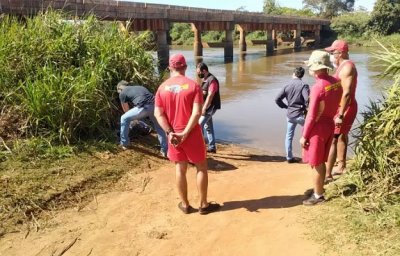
376	168
62	74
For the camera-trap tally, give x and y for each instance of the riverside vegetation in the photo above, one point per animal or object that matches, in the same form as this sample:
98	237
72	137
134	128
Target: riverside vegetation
59	109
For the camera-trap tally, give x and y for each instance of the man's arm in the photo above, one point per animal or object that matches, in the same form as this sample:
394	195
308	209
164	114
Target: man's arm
212	89
306	94
125	106
159	114
279	99
346	78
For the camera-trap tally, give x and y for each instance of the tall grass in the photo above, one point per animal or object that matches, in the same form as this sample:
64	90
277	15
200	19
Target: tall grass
375	173
62	73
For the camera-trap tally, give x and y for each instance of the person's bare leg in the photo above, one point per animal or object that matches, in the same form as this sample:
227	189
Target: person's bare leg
342	152
181	182
319	179
202	182
331	158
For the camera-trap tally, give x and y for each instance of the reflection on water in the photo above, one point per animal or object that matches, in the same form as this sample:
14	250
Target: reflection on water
249	84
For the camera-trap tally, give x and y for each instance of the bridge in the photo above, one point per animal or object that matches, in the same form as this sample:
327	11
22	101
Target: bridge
159	17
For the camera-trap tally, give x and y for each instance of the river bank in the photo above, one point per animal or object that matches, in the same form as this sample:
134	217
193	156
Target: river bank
262	210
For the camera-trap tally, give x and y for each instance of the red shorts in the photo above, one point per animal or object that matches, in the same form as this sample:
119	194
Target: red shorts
348	120
192	150
320	141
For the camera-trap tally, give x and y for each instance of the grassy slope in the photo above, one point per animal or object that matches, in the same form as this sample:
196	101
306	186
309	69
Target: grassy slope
31	189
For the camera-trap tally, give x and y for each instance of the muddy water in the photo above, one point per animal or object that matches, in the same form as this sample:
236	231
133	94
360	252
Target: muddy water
249	84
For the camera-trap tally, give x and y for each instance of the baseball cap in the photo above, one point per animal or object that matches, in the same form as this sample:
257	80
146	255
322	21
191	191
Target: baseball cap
339	45
319	60
177	61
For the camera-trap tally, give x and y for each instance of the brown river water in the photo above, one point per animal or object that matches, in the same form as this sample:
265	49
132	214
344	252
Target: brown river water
249	84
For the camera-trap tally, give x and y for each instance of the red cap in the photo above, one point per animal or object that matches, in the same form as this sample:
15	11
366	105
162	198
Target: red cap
177	61
338	45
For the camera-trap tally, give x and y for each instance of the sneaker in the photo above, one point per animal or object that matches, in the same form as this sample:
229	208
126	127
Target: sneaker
293	160
313	200
122	147
212	150
163	154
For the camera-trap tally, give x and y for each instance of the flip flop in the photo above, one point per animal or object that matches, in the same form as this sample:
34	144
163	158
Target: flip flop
328	180
212	207
186	210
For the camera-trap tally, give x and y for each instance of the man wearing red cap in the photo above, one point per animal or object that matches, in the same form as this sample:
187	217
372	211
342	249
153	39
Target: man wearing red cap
178	107
346	72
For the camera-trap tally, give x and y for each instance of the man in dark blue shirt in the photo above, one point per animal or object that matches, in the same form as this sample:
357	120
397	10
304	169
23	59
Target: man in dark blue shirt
143	106
296	94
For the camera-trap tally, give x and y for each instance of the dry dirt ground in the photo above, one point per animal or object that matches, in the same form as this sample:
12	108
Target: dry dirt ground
262	214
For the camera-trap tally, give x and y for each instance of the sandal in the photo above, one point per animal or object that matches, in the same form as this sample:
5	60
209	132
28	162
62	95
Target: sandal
328	180
186	210
212	207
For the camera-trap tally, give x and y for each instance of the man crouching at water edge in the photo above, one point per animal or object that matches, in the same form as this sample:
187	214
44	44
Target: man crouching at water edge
178	109
143	106
319	125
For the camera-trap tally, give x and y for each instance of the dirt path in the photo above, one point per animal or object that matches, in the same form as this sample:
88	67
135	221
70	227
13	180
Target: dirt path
261	215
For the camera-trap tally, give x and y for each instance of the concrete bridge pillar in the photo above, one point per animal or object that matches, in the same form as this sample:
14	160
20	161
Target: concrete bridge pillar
297	35
162	49
228	48
197	44
274	38
317	36
270	42
242	40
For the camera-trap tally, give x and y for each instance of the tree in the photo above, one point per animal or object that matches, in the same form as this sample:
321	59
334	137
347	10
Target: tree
351	24
272	7
385	17
329	8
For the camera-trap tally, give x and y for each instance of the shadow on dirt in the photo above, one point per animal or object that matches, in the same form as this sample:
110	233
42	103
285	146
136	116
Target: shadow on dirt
272	202
216	165
253	157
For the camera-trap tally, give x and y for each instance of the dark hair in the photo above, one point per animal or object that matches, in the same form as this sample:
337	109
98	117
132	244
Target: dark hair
299	72
202	66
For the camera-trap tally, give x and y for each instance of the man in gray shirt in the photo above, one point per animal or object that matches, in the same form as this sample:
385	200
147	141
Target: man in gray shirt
143	106
296	94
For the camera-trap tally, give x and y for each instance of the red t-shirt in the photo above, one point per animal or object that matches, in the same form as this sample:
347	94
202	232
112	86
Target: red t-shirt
213	87
329	90
177	96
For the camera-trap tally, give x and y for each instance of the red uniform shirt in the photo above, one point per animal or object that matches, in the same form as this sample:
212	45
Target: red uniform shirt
319	127
350	112
176	96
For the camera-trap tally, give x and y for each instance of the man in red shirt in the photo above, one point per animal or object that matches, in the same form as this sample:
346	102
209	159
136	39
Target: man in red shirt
319	125
346	72
178	106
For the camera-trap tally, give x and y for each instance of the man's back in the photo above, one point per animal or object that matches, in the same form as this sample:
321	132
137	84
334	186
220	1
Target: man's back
176	96
137	95
296	94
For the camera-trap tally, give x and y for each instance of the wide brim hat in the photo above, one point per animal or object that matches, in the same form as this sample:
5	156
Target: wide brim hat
319	60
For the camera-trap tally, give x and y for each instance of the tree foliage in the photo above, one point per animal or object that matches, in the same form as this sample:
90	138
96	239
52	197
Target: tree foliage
385	17
351	24
272	7
329	8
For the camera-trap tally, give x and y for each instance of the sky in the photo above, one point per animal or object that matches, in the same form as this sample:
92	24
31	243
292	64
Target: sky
249	5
